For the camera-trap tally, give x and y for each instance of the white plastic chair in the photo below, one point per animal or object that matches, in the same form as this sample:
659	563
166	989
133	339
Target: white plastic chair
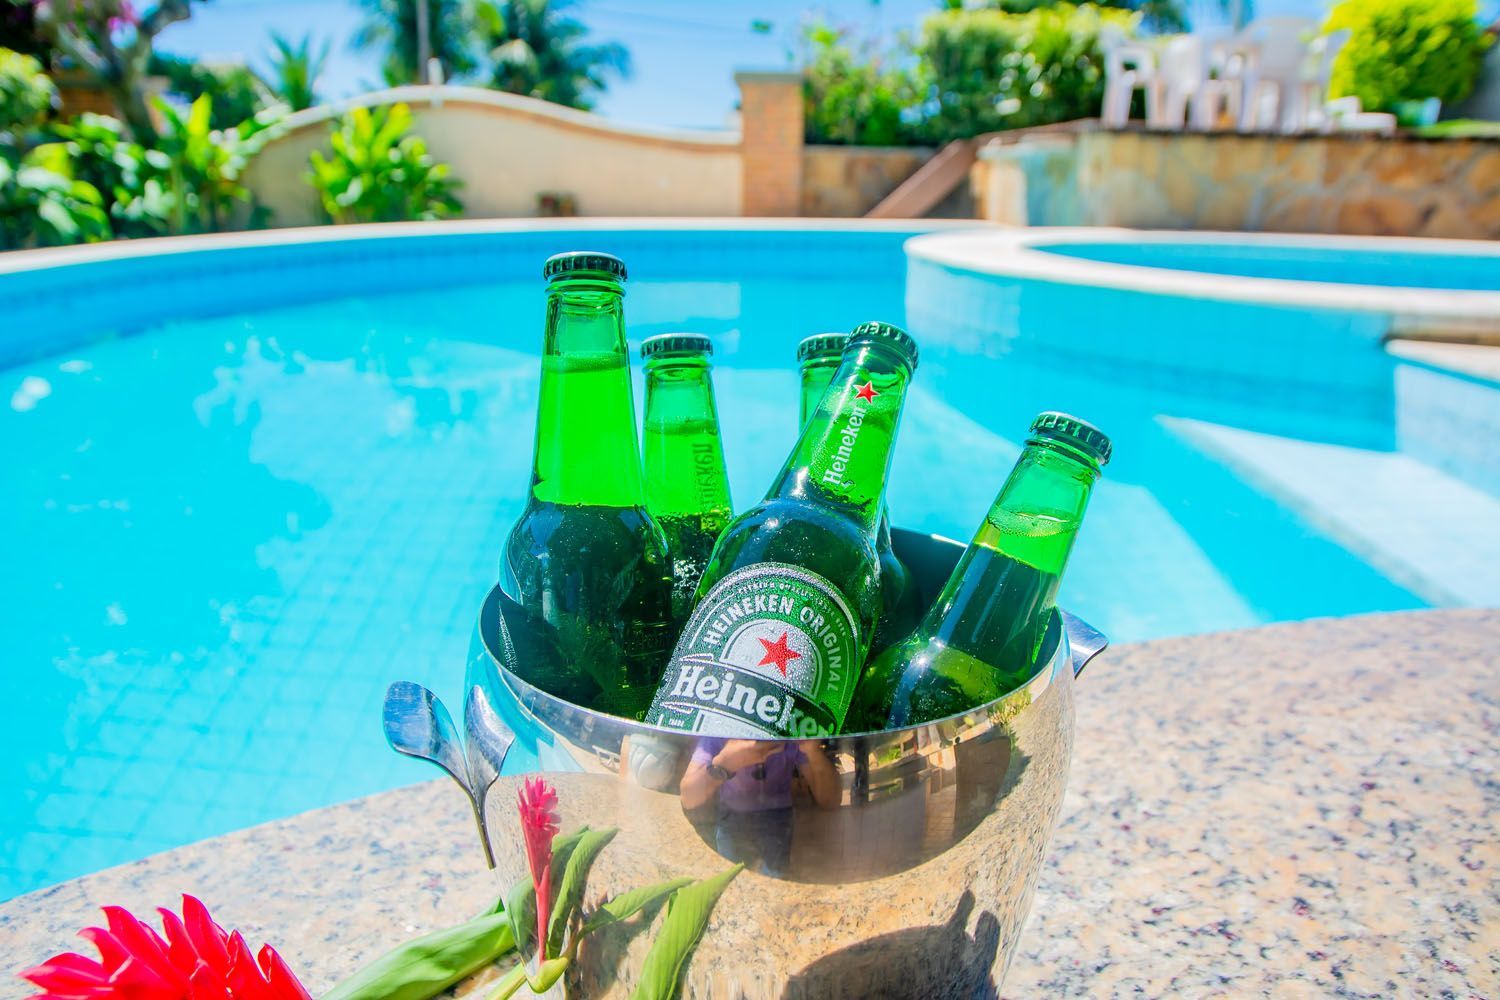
1128	67
1308	108
1180	76
1275	92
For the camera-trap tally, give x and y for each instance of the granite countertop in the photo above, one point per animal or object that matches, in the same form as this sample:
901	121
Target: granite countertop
1299	810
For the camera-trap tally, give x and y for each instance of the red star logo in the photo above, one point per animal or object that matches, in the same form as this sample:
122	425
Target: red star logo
778	653
867	392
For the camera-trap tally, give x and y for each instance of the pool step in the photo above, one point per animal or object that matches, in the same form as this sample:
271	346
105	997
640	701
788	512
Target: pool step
1425	529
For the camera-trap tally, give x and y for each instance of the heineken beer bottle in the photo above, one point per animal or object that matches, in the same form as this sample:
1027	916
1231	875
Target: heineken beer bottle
981	638
787	607
818	356
687	486
585	558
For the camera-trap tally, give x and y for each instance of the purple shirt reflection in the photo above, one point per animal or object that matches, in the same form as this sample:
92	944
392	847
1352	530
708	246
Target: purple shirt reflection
767	785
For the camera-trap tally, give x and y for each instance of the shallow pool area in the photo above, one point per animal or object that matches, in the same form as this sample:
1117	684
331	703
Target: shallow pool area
248	486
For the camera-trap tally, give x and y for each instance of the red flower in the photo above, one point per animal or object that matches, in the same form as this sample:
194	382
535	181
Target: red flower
538	802
196	961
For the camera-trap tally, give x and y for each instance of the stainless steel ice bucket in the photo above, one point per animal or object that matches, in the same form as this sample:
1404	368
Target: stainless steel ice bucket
899	863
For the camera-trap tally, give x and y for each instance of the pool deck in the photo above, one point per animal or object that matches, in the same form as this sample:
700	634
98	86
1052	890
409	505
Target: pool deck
1298	810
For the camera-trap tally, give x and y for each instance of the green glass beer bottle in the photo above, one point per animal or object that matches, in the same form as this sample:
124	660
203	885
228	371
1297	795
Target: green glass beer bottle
787	606
981	637
818	356
687	485
585	558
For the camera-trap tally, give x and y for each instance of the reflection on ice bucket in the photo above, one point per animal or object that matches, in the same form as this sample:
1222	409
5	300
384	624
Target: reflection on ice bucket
880	864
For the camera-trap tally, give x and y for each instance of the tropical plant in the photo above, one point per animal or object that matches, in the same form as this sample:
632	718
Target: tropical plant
989	70
42	204
192	957
236	92
377	172
1407	50
111	41
391	26
205	166
295	70
26	93
132	180
852	96
535	49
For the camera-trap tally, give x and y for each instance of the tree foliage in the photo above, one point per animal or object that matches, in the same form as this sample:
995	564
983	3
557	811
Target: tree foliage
235	93
851	94
27	94
295	70
111	41
534	48
390	27
1405	50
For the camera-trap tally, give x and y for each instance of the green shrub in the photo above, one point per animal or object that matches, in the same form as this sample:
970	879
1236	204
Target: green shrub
378	173
237	94
1407	50
131	178
850	97
42	204
204	167
190	182
990	70
26	93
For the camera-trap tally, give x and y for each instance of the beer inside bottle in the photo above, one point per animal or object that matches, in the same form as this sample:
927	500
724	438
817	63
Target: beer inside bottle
787	606
687	485
818	356
585	558
981	638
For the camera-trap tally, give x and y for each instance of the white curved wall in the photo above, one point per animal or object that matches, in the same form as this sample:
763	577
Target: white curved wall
508	150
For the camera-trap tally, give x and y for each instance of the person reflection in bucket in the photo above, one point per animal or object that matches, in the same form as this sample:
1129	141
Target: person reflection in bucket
750	785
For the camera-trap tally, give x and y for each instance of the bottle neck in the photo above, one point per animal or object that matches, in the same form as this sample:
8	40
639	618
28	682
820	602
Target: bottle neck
816	374
1029	528
586	448
684	458
844	452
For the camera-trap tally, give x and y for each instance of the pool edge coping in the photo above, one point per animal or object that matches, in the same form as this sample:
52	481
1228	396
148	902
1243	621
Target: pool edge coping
1022	254
48	258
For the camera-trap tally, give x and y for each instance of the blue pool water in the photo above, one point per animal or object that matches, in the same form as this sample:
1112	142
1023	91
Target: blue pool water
1338	265
244	492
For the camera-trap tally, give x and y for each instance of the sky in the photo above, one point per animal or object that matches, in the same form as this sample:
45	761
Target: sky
684	52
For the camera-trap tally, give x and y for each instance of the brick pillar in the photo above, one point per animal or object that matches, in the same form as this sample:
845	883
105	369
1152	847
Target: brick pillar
770	143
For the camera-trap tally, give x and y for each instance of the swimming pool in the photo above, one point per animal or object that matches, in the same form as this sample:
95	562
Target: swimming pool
247	486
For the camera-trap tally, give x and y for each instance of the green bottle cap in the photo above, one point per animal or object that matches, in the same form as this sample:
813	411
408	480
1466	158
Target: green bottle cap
888	333
821	345
1079	433
584	263
676	345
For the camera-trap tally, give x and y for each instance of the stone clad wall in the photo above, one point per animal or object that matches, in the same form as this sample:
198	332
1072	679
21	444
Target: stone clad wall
848	181
1352	185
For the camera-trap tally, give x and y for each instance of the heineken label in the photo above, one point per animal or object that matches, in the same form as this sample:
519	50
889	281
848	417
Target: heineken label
772	650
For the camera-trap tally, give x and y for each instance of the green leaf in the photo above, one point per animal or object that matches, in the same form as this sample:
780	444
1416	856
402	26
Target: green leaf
569	894
421	969
627	904
687	917
520	901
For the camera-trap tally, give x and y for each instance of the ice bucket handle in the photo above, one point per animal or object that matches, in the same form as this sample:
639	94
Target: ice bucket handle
1084	641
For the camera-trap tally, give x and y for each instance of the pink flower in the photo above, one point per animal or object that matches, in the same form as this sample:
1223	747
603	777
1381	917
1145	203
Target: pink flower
197	960
538	803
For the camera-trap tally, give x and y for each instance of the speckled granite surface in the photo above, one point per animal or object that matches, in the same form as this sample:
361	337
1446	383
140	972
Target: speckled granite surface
1302	810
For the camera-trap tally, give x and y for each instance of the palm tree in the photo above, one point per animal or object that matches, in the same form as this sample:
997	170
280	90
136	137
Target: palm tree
392	25
536	50
295	70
